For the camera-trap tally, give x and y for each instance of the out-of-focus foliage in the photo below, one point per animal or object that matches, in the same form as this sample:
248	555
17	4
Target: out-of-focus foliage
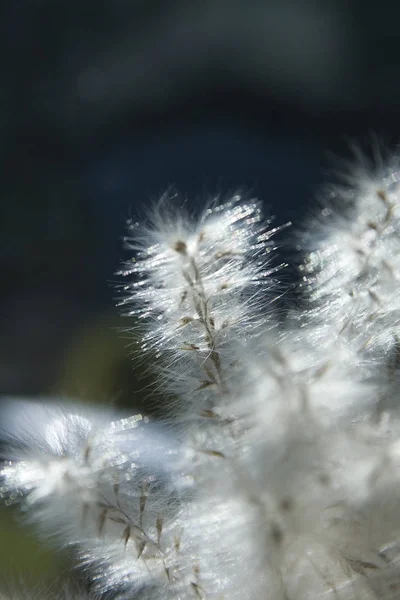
22	556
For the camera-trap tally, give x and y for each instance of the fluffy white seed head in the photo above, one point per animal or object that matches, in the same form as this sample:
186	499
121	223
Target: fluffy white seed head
352	271
280	480
84	479
322	465
202	288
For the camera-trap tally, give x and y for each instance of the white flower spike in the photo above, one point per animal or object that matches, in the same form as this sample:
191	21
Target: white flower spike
276	474
203	288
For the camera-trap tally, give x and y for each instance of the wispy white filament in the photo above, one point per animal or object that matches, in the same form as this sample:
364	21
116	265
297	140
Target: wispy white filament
202	288
279	479
83	478
352	271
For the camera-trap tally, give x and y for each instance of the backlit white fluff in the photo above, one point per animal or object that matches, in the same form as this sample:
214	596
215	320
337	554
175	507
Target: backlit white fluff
352	269
277	476
202	287
81	477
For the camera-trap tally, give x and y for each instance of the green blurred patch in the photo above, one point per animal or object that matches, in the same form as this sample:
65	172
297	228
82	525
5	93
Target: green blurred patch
104	364
22	557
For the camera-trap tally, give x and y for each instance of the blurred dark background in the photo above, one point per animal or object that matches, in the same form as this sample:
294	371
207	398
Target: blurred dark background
104	105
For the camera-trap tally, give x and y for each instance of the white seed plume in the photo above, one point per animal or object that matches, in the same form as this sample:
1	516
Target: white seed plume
280	477
201	287
352	271
84	479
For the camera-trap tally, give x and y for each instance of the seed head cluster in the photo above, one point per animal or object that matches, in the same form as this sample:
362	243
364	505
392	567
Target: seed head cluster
275	473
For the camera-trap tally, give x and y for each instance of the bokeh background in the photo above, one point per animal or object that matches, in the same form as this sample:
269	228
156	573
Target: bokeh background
105	105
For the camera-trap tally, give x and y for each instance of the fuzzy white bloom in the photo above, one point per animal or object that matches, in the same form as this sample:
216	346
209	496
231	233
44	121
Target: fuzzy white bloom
352	271
279	478
202	287
84	475
327	478
126	499
200	282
